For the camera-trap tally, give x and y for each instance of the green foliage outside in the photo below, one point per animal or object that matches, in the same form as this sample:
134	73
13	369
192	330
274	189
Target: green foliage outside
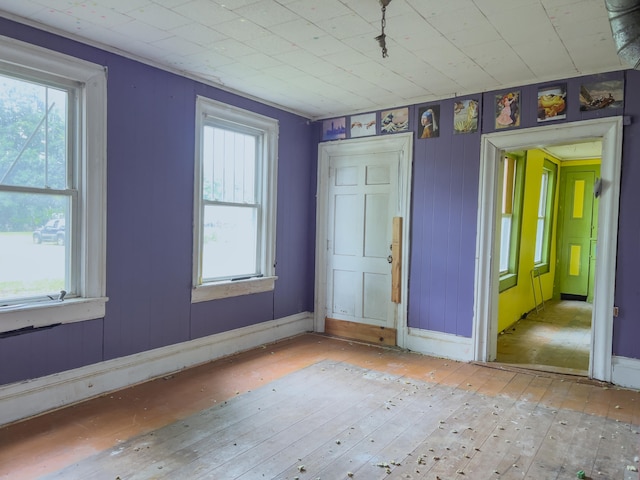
33	152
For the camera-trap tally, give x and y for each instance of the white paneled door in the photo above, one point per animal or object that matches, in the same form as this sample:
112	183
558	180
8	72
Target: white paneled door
362	201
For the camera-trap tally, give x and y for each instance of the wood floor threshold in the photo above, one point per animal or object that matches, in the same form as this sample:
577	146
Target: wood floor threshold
543	371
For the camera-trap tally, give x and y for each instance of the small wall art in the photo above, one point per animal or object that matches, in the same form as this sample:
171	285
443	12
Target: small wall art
552	103
393	121
429	121
334	129
363	125
465	116
597	95
508	110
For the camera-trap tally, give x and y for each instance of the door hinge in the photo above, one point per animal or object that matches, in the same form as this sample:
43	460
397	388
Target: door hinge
616	311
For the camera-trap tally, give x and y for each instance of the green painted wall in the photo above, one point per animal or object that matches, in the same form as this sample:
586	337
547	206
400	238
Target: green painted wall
515	301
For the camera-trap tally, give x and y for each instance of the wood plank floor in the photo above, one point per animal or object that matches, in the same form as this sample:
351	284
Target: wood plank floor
316	407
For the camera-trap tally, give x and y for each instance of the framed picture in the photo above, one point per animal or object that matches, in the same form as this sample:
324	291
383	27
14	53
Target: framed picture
552	103
429	121
465	116
334	129
393	121
363	125
508	110
597	95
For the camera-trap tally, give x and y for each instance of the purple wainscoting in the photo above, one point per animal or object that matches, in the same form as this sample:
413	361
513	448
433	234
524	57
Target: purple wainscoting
626	328
443	230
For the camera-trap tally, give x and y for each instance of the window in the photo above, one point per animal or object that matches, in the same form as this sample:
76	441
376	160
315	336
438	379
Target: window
235	204
52	192
545	216
512	193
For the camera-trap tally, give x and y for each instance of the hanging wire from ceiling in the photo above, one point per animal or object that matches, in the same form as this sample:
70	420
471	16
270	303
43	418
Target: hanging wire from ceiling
382	38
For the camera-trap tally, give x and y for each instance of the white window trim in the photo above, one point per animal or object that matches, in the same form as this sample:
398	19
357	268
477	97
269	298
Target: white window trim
205	107
91	300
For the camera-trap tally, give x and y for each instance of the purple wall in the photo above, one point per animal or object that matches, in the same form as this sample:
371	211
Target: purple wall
151	136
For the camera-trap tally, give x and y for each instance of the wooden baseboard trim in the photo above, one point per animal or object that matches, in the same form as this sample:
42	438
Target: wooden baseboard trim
373	334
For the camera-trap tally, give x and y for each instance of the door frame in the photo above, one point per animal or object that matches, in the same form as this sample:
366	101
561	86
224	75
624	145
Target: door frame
485	322
402	144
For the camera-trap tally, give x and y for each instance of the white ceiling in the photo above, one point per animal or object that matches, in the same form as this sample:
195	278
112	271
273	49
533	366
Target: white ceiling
319	57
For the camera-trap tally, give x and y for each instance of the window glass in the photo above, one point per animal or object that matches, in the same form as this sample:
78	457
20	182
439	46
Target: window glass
512	199
545	216
36	189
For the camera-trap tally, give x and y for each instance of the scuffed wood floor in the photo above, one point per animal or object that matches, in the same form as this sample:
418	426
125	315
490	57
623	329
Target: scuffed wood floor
314	407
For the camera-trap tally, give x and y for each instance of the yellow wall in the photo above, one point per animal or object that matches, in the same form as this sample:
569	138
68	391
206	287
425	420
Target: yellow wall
515	301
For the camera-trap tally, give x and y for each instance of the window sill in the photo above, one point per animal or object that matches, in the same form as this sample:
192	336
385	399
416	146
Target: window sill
218	290
43	314
508	281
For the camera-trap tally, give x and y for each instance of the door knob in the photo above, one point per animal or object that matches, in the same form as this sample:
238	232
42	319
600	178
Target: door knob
389	259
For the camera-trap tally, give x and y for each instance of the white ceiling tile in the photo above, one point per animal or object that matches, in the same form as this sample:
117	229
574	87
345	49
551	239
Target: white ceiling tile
266	13
284	72
25	8
234	4
198	33
241	29
272	45
316	11
259	61
298	30
324	45
231	48
159	17
346	26
205	12
140	31
178	45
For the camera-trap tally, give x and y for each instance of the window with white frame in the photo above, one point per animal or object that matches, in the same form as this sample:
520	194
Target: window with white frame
545	216
52	187
235	201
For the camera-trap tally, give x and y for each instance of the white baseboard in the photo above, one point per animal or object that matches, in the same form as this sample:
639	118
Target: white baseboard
437	344
625	372
32	397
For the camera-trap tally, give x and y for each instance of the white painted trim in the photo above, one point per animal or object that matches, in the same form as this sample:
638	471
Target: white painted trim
626	372
51	313
438	344
403	145
485	291
32	397
215	291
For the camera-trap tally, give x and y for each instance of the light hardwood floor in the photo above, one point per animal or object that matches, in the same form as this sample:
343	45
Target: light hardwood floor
556	338
316	407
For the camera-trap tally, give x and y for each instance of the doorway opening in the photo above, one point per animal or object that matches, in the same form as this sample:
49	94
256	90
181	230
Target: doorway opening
488	268
549	217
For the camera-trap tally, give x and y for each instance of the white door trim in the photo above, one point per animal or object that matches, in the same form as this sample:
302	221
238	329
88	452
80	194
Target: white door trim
486	279
402	144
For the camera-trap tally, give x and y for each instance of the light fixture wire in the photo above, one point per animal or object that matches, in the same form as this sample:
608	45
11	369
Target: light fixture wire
383	23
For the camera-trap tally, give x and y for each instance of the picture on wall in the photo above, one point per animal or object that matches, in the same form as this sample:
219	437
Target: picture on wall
334	129
552	103
508	110
465	116
597	95
429	120
393	121
363	125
